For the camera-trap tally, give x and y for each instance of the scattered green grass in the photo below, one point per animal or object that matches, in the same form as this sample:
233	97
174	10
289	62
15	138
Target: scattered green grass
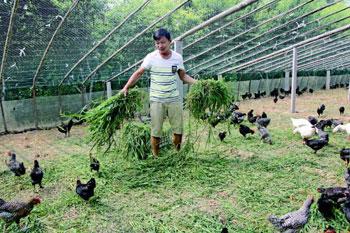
236	183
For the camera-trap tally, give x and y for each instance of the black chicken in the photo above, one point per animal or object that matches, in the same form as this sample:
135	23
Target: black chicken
336	194
311	90
224	230
326	207
250	117
336	122
263	115
275	99
346	210
315	144
345	155
65	128
86	191
244	130
281	97
321	109
341	110
94	164
222	135
16	167
37	174
312	120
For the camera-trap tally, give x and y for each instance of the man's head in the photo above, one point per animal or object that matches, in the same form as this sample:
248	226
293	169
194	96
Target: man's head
162	40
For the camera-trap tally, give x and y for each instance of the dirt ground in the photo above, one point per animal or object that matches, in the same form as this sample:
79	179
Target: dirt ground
48	144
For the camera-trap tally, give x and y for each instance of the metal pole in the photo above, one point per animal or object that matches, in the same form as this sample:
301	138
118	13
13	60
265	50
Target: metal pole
294	79
286	80
328	80
220	77
180	86
109	89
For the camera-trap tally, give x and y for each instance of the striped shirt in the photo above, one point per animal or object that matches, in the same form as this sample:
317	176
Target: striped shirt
163	76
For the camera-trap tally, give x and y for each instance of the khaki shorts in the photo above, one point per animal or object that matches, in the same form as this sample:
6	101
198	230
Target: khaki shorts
158	113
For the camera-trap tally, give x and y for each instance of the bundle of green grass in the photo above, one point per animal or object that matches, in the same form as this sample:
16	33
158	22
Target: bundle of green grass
105	119
208	98
135	140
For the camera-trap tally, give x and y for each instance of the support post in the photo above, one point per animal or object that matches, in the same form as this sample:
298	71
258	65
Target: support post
180	85
35	108
286	80
328	80
220	77
109	89
83	95
294	79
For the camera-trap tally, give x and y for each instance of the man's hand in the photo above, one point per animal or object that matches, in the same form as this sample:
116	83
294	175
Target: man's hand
124	91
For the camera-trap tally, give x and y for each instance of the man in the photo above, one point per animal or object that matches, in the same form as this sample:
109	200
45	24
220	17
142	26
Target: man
165	66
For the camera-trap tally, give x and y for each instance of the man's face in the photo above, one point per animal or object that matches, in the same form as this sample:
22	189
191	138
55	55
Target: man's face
163	44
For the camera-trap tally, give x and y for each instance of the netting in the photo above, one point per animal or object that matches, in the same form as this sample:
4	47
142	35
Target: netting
59	50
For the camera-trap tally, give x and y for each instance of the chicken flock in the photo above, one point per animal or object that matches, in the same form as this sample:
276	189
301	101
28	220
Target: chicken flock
330	199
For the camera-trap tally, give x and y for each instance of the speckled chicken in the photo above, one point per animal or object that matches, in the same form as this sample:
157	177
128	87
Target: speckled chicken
86	191
244	130
13	211
293	221
265	135
65	128
347	177
16	167
237	118
263	121
37	174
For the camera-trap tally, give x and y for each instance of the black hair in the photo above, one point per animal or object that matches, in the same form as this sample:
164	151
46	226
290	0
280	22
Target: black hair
161	32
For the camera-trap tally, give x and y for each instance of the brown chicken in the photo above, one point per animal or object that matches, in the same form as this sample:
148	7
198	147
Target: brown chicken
13	211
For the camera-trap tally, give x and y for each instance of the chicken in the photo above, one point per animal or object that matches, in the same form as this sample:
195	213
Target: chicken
265	135
233	107
312	120
341	110
322	134
311	90
237	117
321	109
315	144
346	210
326	207
343	128
94	164
263	115
293	221
214	121
336	122
281	97
244	130
323	123
222	135
300	122
16	167
305	132
347	177
224	230
14	211
263	121
345	155
336	194
275	99
37	174
65	128
86	191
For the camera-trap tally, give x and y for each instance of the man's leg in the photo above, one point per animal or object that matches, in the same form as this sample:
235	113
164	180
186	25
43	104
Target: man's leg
176	122
157	118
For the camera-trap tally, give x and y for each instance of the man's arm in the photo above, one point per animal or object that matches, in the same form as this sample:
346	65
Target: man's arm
133	79
185	77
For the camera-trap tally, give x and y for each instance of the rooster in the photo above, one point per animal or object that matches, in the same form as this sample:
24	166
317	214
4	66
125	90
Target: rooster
86	191
13	211
16	167
37	174
94	164
65	128
293	221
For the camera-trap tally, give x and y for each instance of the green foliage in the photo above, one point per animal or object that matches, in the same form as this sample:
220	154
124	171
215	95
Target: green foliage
105	119
135	140
207	95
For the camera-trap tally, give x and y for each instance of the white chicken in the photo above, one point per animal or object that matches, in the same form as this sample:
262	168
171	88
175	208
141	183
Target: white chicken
306	132
300	122
343	128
